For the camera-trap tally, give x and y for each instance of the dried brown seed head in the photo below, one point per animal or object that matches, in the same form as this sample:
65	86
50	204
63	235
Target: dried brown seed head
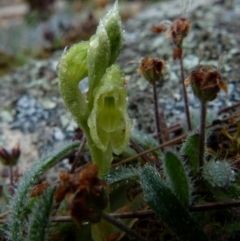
206	82
85	193
10	158
152	69
179	30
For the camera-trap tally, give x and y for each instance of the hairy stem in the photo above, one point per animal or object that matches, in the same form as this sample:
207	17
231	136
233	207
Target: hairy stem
185	98
122	226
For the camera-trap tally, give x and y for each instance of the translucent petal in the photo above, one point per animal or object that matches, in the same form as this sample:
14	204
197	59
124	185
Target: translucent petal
109	117
120	138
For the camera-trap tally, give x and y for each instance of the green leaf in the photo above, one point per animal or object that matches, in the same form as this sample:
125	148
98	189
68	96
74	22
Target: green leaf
121	174
83	233
177	176
39	220
18	204
218	173
232	192
101	230
161	199
190	149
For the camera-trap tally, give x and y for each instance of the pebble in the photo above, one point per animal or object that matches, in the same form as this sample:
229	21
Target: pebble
29	112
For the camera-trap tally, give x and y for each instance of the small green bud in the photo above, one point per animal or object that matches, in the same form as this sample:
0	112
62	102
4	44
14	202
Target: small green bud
72	68
73	63
113	25
109	122
98	56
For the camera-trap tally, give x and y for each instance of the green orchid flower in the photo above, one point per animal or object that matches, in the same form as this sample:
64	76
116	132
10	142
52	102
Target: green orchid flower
109	122
102	111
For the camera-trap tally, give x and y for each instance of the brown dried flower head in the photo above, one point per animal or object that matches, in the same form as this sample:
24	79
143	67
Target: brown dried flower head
152	69
10	158
206	82
85	193
179	30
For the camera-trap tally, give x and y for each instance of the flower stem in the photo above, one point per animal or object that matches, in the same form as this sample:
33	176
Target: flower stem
122	226
138	149
162	130
202	131
78	154
185	98
155	100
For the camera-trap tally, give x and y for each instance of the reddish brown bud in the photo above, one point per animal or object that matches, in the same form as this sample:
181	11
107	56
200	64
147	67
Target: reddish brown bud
177	53
10	158
159	29
152	69
179	30
206	82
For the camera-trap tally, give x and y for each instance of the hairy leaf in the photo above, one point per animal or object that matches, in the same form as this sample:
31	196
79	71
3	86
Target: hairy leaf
177	176
190	148
38	220
166	205
18	205
121	174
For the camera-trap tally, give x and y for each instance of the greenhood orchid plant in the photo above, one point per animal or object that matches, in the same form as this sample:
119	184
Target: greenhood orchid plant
102	111
189	190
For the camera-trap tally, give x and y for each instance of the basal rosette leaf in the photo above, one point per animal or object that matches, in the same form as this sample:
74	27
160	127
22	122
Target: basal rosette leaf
109	122
167	206
218	173
190	149
177	177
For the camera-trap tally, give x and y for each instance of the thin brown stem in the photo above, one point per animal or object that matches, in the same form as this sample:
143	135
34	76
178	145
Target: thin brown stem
202	132
122	226
11	176
78	155
185	98
227	108
214	206
156	111
147	213
138	149
168	143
